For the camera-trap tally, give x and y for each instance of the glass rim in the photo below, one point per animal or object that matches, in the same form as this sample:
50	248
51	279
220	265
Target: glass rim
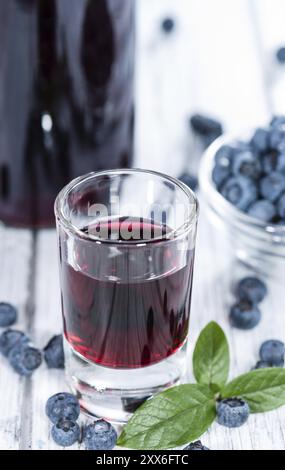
77	232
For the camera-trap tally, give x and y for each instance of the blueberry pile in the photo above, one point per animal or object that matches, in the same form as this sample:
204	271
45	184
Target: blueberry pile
271	354
251	175
16	346
63	411
245	313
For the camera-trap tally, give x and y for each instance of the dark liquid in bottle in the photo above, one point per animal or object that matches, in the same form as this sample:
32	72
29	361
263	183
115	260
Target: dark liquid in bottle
124	321
66	98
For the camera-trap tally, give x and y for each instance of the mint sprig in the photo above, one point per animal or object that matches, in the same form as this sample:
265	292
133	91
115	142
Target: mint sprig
178	415
263	389
183	413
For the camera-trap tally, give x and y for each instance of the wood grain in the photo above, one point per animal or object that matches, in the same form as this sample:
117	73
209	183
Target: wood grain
219	60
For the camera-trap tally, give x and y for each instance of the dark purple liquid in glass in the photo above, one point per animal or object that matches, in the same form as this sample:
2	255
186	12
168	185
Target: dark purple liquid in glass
127	324
66	98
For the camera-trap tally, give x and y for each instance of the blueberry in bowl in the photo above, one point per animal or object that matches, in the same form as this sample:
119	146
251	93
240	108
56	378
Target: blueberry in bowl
242	182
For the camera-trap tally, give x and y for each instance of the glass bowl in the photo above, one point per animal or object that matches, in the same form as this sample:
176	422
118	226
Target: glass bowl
259	245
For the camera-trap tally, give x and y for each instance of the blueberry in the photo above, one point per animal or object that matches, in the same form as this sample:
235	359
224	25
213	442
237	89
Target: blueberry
190	180
25	359
240	191
168	25
281	206
62	405
10	339
272	351
260	140
252	289
280	55
196	446
220	174
99	436
262	365
262	210
232	412
247	164
8	314
245	315
54	354
272	186
206	126
224	156
66	432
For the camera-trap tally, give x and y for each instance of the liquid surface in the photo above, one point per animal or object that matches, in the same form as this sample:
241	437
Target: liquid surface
126	321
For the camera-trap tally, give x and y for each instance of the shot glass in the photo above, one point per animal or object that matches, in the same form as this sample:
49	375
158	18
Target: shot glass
126	252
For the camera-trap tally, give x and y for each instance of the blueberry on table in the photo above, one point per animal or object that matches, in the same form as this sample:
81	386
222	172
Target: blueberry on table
280	55
252	289
262	210
11	339
281	206
245	315
262	365
206	126
260	140
272	186
240	191
65	433
54	354
25	359
190	180
272	351
247	164
196	446
62	405
168	25
232	412
99	436
8	314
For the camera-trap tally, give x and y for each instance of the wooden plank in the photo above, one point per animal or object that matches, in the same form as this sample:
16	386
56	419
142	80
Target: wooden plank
16	262
210	63
47	323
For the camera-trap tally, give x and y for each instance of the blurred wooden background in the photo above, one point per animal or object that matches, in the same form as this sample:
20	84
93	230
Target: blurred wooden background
220	59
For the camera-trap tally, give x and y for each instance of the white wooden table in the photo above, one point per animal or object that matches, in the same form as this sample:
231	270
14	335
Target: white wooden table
220	60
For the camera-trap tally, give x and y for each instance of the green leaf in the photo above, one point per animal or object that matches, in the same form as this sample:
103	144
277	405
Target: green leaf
211	358
172	418
263	389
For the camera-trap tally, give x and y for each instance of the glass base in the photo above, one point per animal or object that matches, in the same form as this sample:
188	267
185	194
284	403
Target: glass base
115	394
